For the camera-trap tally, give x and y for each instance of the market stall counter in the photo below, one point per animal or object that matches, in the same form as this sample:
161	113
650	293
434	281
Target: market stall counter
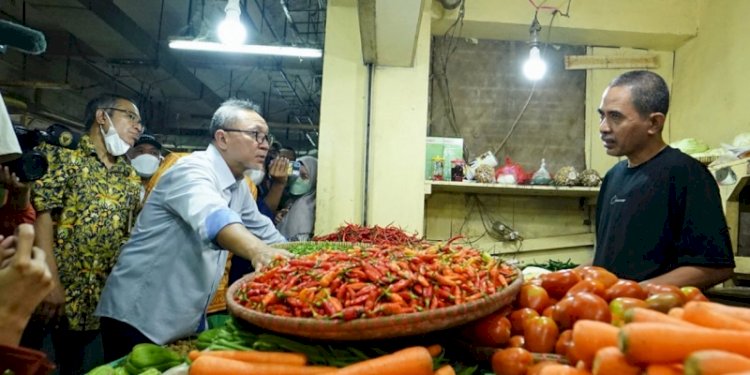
447	308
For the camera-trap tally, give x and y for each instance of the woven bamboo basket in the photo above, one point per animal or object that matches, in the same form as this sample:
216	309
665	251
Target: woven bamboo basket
375	328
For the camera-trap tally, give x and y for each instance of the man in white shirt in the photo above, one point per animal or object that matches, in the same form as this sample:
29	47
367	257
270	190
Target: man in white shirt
169	270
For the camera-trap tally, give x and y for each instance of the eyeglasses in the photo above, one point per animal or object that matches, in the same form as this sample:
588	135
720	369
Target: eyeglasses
132	117
260	137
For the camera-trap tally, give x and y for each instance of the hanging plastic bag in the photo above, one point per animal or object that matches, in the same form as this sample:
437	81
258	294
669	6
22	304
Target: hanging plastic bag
541	176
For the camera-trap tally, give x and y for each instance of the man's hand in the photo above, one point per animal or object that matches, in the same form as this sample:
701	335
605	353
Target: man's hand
18	192
280	215
24	281
278	169
266	255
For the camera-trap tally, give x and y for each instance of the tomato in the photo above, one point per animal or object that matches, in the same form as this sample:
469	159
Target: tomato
534	297
619	305
517	341
548	311
662	288
597	273
625	288
492	330
663	301
581	306
557	283
517	317
693	294
541	334
564	342
590	286
511	361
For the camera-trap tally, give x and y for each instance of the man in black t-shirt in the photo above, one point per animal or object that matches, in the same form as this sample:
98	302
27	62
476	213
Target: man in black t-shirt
659	216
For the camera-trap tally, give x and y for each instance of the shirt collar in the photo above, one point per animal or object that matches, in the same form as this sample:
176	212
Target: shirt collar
226	178
86	146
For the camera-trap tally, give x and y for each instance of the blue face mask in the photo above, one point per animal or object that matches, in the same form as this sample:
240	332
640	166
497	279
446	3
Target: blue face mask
300	186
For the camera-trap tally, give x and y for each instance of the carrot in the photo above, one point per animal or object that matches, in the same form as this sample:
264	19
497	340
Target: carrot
558	369
739	373
537	367
435	350
673	369
414	361
445	370
715	362
589	336
704	315
669	343
741	313
209	365
640	315
676	312
610	360
254	356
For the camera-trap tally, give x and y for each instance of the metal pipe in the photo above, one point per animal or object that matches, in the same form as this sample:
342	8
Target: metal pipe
291	20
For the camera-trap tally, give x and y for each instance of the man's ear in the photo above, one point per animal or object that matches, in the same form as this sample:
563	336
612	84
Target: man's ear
656	121
100	117
220	140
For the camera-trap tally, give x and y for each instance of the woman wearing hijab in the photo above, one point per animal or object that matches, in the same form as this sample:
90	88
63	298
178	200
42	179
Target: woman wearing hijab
299	221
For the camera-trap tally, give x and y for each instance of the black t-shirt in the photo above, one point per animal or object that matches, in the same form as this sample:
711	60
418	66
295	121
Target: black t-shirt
658	216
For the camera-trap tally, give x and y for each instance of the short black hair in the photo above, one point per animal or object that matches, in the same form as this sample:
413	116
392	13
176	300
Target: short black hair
648	91
227	114
101	101
148	138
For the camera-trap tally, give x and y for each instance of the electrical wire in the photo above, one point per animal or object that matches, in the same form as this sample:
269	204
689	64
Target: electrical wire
552	9
555	12
518	118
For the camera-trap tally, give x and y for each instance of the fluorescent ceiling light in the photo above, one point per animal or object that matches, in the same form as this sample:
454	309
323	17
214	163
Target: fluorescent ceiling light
196	45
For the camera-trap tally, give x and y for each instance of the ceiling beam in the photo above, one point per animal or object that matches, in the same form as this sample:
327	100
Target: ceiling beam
366	10
633	23
389	31
129	29
69	13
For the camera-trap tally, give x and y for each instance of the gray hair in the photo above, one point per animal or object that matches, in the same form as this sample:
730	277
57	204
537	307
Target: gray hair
228	112
648	91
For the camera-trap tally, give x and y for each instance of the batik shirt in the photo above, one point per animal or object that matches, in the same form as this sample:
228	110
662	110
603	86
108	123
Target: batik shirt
93	209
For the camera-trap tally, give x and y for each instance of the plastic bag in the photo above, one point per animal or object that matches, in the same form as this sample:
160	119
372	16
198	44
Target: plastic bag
511	173
541	176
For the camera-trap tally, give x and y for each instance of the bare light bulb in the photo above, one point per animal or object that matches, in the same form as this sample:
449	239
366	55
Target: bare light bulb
534	68
231	31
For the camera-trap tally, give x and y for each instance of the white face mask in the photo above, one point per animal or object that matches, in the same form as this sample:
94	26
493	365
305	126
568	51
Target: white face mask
115	145
256	175
145	164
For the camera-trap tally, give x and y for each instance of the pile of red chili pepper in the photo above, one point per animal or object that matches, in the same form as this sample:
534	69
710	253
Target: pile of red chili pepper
373	282
377	235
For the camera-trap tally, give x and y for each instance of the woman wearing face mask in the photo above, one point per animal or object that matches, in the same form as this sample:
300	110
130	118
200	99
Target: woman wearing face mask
299	222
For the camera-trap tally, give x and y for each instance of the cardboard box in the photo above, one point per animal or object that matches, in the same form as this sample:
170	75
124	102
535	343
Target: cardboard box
448	148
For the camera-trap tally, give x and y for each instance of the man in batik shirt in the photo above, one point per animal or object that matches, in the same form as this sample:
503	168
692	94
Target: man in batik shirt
90	194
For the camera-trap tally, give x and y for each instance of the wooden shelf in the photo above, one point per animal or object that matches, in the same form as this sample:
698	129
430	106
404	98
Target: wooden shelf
526	190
